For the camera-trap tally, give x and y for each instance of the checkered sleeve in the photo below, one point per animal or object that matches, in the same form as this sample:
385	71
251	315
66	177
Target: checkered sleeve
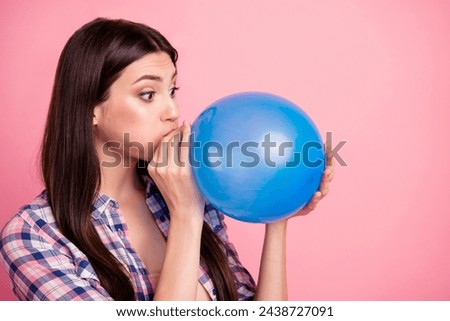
41	268
245	284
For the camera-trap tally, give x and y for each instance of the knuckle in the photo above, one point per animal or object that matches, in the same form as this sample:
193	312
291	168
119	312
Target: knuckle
172	171
184	173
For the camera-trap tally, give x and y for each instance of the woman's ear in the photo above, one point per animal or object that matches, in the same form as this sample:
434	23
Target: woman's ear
96	115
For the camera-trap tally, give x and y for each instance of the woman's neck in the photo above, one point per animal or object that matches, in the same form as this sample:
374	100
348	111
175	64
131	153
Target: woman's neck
120	182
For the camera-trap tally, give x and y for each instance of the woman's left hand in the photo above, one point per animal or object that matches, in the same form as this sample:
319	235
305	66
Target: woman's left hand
272	283
327	177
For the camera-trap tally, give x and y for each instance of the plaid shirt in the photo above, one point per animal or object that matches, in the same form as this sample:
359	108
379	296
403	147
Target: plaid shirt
44	265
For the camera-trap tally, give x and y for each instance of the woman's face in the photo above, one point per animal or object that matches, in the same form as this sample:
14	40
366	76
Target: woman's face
140	110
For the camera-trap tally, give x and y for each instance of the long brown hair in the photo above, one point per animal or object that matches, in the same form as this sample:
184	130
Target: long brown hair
90	62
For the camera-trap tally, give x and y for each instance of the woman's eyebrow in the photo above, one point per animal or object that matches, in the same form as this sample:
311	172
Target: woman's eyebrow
153	77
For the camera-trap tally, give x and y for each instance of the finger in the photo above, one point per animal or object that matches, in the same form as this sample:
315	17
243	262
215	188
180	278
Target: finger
330	164
324	190
328	154
172	148
185	140
175	147
314	201
312	204
330	176
317	197
167	147
154	161
329	173
161	152
325	175
324	186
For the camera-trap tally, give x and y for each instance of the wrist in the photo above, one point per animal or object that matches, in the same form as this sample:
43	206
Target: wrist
189	217
278	225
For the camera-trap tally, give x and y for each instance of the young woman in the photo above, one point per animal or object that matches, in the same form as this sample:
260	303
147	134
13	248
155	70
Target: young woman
132	226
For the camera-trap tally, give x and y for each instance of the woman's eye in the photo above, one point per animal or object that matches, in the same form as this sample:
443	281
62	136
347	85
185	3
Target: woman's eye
173	91
148	95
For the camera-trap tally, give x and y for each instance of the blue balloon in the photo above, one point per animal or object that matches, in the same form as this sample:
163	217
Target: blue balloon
256	157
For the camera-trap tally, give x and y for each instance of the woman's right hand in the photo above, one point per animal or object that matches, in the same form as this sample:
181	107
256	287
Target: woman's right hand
171	171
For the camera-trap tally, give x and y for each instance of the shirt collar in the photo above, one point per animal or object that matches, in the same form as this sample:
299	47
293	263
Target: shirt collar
103	201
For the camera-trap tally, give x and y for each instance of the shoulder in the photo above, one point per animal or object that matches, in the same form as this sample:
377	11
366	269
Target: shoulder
31	221
34	214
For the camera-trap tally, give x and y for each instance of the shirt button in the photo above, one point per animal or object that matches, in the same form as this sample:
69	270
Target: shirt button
121	233
113	204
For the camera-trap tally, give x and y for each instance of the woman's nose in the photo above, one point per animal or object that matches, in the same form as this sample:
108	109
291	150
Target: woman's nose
171	111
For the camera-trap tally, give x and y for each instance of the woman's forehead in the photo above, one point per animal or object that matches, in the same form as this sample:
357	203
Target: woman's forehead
153	66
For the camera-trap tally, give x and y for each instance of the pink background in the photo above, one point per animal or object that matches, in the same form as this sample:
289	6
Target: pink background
375	73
